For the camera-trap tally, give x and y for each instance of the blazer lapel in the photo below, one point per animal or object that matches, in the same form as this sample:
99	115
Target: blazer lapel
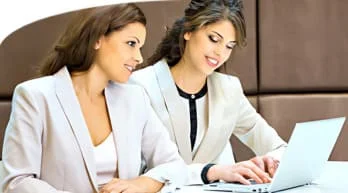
216	104
71	107
119	121
175	107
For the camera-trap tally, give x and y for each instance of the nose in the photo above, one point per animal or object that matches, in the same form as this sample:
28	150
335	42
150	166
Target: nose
218	50
222	51
138	57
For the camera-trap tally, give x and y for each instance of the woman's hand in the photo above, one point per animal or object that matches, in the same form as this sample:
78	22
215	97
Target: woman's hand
267	164
140	184
240	172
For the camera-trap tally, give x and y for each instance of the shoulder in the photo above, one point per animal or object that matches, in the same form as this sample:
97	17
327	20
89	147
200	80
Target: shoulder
33	93
131	94
145	78
149	74
130	97
143	75
226	81
125	89
37	86
149	78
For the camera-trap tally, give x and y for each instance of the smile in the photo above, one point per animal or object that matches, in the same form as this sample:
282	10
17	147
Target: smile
212	62
129	67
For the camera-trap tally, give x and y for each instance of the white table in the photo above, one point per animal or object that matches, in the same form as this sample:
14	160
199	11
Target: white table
334	179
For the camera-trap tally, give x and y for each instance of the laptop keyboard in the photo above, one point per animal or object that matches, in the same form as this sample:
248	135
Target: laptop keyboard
238	187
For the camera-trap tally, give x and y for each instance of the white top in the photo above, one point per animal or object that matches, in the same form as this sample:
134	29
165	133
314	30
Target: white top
106	160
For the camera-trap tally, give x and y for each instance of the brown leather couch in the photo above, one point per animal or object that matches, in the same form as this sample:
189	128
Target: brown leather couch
294	68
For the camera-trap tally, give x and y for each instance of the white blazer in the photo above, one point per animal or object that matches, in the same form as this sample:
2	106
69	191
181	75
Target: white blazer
229	113
47	146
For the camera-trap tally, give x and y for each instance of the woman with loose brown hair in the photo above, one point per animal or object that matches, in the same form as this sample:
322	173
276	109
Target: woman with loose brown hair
78	128
201	107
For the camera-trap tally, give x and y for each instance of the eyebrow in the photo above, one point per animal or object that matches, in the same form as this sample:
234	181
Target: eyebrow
222	36
135	38
218	34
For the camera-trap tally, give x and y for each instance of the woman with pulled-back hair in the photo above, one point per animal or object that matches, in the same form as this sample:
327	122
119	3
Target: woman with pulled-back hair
201	107
78	128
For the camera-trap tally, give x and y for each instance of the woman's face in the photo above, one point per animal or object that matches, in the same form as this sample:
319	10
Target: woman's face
210	46
118	53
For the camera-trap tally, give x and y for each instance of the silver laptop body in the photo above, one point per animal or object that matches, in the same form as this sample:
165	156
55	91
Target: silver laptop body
308	150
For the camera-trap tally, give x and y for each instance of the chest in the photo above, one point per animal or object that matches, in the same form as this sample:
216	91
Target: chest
97	119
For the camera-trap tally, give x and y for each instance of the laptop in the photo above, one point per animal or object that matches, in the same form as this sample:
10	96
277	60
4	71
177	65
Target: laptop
307	152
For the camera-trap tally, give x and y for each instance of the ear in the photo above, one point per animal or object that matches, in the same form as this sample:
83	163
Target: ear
98	43
187	35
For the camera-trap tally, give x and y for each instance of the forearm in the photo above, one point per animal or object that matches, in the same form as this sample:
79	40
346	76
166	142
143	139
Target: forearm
29	185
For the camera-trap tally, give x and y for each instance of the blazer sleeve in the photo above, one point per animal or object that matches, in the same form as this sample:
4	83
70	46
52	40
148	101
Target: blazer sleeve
22	148
225	157
255	132
160	153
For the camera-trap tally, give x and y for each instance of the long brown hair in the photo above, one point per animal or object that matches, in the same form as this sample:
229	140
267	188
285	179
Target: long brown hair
199	13
75	47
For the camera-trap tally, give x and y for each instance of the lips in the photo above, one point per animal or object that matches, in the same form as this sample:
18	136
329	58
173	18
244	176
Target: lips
212	62
129	67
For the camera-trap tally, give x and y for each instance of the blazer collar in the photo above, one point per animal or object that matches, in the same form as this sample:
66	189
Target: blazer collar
114	93
115	96
175	107
178	115
68	100
216	103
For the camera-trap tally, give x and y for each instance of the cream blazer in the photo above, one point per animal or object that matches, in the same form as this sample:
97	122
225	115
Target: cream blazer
48	149
229	113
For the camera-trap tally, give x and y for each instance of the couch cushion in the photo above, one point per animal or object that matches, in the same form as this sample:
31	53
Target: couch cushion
283	111
303	45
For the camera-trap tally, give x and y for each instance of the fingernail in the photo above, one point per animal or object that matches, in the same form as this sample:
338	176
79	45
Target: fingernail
269	179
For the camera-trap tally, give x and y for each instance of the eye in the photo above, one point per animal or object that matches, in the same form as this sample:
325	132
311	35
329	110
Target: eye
132	43
214	39
231	45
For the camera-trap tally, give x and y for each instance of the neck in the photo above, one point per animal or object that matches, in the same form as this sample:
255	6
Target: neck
188	78
90	84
